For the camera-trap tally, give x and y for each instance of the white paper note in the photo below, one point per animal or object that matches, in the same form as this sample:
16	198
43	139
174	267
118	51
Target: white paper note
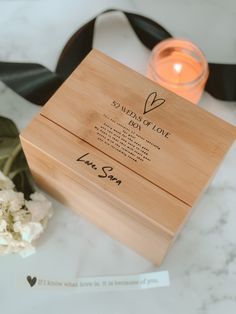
101	283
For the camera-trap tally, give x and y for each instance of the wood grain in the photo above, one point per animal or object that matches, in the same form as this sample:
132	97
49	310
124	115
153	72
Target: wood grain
198	139
86	127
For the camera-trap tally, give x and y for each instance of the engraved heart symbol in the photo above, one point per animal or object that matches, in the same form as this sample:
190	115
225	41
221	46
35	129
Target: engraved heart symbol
152	102
31	281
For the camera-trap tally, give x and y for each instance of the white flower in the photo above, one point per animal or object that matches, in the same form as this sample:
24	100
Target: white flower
5	183
10	245
21	221
5	238
36	196
27	251
30	231
3	225
39	207
14	200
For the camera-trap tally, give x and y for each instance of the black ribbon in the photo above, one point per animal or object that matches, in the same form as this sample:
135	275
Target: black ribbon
37	84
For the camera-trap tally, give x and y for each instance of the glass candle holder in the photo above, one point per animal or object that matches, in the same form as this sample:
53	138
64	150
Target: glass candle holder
179	66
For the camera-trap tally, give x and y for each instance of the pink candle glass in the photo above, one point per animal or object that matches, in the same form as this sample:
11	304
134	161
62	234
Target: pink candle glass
179	66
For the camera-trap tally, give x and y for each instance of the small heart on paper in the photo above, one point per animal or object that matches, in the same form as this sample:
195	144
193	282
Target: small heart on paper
31	280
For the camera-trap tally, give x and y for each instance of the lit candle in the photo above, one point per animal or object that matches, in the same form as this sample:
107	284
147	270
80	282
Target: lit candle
179	66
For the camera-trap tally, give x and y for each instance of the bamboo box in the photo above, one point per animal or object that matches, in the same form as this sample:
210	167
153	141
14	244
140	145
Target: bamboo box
125	153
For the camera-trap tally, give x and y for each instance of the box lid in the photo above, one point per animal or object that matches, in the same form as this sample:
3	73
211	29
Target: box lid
163	138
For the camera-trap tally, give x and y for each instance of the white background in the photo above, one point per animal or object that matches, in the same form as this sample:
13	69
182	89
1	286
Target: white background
202	263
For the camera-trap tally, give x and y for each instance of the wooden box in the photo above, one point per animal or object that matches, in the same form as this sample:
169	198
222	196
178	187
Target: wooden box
125	153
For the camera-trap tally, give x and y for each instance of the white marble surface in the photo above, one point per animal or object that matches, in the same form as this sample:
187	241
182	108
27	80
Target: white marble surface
202	263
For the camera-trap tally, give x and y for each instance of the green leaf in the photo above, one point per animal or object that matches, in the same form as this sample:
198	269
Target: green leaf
12	159
6	146
8	128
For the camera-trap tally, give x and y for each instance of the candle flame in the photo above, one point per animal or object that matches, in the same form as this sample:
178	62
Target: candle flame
178	67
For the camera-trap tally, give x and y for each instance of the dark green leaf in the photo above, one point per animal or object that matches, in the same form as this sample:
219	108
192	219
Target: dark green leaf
12	159
7	128
6	145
